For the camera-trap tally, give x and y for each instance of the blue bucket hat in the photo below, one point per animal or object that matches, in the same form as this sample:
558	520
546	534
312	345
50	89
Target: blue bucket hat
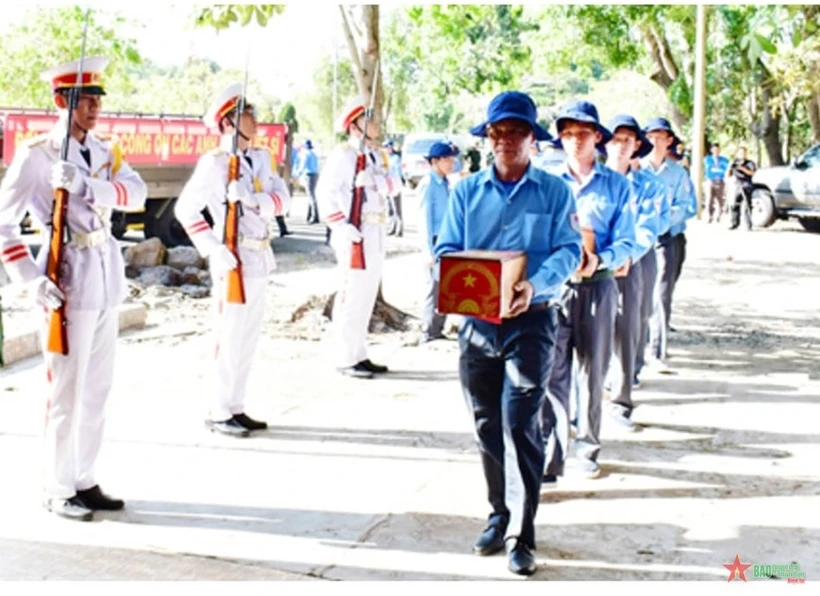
583	111
660	124
441	149
308	144
512	105
627	121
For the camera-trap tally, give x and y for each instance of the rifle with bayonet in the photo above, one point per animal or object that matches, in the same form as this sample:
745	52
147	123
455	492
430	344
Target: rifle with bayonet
57	341
357	251
236	287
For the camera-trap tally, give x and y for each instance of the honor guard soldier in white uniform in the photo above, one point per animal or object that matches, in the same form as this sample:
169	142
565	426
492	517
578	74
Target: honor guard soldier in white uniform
91	279
263	195
356	296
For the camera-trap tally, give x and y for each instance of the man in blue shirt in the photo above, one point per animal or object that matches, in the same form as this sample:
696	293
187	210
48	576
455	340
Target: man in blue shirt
434	191
308	167
503	368
715	167
629	143
682	205
586	317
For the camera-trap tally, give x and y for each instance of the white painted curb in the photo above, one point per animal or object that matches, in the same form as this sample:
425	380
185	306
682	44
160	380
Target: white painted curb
27	345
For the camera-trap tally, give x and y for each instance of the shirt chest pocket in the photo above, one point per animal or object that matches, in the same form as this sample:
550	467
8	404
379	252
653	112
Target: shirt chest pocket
537	232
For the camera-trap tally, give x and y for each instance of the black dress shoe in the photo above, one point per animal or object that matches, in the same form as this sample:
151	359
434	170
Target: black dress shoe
521	559
249	423
490	541
374	368
229	427
285	233
71	508
96	500
358	371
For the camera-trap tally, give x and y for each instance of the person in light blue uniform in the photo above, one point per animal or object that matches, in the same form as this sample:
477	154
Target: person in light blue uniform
682	205
434	190
627	145
308	166
394	203
715	167
586	318
504	367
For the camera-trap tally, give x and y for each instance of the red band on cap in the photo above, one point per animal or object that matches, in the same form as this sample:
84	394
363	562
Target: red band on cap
351	117
66	81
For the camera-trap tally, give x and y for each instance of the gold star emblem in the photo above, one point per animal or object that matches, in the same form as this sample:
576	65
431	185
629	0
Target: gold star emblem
469	281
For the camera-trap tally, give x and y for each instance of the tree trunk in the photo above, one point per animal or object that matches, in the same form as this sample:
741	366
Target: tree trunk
666	70
770	125
286	170
813	108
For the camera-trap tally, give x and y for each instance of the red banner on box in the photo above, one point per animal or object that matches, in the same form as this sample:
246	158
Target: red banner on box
144	141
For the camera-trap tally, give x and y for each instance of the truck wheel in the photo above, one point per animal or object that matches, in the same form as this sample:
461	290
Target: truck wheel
810	224
161	223
118	224
763	211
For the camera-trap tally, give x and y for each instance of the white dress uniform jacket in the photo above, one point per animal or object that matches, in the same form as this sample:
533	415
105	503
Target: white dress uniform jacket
93	280
236	326
357	289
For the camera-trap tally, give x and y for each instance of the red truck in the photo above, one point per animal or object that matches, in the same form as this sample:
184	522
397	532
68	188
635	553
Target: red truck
163	148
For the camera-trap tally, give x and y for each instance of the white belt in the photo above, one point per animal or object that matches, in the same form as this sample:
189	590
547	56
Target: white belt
374	218
258	245
89	239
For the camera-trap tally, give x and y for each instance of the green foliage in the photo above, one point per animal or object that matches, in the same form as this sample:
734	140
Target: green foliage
51	36
288	116
187	89
222	16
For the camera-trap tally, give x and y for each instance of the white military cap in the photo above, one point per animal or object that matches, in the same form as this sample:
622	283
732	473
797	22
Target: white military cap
65	75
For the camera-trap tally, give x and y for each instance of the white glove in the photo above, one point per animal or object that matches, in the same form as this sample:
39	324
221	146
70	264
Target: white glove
66	175
46	293
240	194
365	179
350	232
221	260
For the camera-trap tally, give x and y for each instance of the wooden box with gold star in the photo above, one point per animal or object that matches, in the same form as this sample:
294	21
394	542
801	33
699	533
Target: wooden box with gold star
479	283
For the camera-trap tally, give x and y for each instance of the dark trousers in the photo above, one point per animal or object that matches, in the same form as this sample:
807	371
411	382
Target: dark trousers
504	370
680	257
627	338
742	201
313	205
583	349
649	273
662	303
283	227
432	323
394	211
716	199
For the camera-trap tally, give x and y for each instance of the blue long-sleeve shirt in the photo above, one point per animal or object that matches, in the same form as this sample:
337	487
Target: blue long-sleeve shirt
603	203
715	169
680	194
648	192
537	215
307	163
434	193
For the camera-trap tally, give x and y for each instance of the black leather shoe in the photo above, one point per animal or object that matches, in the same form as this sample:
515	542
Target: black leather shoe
249	423
374	368
71	508
96	500
490	541
228	427
358	371
521	559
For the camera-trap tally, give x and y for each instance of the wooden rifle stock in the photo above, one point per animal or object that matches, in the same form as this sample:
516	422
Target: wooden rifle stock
236	289
357	250
57	331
